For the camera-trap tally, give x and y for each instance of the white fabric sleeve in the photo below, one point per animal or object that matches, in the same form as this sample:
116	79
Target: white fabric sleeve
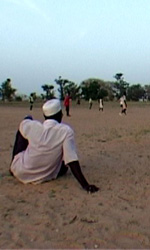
24	127
69	148
30	129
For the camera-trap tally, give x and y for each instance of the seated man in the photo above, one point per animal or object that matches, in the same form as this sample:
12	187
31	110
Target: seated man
43	152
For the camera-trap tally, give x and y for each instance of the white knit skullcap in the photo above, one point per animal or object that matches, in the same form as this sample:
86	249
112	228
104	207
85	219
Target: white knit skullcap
51	107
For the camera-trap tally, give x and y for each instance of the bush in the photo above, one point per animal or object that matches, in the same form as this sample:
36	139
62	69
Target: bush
18	98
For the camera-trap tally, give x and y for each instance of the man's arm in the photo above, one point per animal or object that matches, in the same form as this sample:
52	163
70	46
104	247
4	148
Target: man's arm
76	170
21	143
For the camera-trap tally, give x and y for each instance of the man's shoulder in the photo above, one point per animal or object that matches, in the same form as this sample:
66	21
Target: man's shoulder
65	127
28	124
30	127
31	122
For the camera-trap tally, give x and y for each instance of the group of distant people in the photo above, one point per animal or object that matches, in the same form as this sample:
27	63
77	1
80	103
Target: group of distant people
122	100
66	103
100	101
67	100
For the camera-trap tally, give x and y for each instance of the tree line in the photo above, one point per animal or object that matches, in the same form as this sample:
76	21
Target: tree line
90	88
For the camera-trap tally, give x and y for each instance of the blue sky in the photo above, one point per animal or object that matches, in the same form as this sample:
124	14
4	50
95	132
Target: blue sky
77	39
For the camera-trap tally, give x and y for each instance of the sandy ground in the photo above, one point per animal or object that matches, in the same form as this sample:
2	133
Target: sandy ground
114	153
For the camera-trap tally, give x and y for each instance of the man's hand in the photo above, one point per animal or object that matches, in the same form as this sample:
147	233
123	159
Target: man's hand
28	117
76	170
91	188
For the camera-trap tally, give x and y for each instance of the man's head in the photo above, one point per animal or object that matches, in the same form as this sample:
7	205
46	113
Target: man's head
52	110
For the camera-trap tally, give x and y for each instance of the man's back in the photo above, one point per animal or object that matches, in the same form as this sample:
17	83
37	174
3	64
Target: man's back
48	144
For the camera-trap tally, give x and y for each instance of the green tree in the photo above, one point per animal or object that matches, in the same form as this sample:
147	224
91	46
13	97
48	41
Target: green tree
94	88
61	82
49	91
42	96
136	92
7	92
147	91
102	93
73	89
120	87
119	76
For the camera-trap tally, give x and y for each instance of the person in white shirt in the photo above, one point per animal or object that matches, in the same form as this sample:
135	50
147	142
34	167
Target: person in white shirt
90	103
101	105
44	151
123	105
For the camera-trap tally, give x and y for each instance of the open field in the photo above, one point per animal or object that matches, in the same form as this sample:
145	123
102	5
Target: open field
114	153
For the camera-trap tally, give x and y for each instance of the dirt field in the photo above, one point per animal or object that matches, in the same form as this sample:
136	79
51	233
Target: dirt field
114	153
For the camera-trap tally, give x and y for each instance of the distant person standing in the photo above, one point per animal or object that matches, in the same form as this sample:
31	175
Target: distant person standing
90	103
101	105
123	105
31	100
78	101
67	103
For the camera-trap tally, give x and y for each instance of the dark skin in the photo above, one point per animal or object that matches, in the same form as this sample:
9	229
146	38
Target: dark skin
75	166
76	170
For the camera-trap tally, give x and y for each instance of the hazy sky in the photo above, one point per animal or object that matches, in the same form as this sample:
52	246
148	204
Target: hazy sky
41	40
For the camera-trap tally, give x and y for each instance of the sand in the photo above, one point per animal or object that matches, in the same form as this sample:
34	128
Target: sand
114	153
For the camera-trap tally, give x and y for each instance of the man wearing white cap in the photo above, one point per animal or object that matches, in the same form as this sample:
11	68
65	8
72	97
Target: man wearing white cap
43	152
